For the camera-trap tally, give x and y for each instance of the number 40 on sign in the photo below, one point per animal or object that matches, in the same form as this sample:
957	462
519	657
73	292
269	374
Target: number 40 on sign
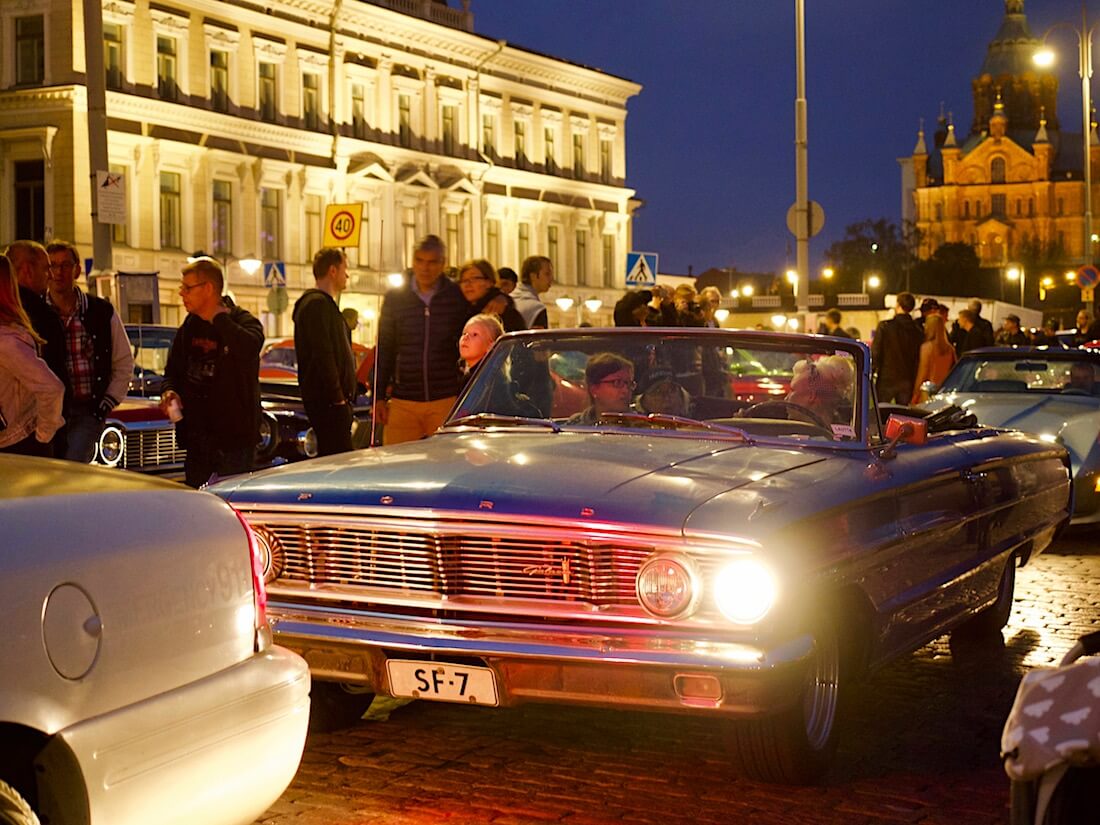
342	224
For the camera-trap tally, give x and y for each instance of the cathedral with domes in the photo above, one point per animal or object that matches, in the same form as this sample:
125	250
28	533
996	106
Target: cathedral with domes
1013	186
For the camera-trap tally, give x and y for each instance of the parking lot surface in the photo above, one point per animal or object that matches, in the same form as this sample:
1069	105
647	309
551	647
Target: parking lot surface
920	744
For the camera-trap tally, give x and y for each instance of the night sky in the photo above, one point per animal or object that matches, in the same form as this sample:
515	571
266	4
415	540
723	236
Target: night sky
710	139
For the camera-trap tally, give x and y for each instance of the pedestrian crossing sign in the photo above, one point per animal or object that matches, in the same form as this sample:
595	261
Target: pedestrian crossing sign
641	269
275	274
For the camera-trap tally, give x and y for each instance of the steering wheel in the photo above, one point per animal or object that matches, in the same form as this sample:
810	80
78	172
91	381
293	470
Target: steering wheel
813	417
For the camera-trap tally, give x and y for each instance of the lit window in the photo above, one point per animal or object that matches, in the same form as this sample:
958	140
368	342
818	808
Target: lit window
170	211
219	80
112	54
268	92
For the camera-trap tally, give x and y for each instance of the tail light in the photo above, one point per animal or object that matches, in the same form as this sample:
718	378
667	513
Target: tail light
259	592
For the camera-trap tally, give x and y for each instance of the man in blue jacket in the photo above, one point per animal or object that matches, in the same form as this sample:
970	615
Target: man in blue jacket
417	355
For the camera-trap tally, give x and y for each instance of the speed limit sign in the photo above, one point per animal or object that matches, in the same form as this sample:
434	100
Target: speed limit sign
342	224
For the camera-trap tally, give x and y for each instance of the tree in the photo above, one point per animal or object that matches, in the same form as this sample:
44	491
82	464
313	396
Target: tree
952	267
870	246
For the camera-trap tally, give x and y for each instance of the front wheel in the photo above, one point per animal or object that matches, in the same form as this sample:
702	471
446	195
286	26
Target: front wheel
795	746
989	621
334	705
14	809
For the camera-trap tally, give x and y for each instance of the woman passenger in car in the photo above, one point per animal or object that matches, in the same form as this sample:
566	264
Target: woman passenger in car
478	336
610	381
823	387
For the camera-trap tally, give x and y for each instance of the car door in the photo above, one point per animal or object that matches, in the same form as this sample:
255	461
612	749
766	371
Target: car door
924	580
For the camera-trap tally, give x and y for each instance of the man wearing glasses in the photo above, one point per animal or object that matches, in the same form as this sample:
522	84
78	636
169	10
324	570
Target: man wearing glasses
97	356
213	375
610	381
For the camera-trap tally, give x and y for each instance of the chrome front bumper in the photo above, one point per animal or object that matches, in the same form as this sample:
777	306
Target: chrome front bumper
620	667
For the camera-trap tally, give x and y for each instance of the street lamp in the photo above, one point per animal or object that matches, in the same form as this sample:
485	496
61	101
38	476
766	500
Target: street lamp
565	303
1016	273
871	280
827	273
747	290
1045	57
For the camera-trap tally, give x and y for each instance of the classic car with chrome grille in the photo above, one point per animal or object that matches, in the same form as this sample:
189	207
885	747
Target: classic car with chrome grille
1051	392
649	546
139	681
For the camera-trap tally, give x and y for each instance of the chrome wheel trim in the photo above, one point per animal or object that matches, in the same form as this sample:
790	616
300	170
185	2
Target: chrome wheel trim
819	702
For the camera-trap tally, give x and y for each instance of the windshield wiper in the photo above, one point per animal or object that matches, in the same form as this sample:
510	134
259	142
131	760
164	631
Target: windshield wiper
676	422
484	418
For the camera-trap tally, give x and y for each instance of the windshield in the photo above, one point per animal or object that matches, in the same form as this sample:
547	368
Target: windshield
752	384
1030	374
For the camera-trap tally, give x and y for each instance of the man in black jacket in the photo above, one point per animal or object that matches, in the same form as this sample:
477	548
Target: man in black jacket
418	332
895	352
213	378
326	364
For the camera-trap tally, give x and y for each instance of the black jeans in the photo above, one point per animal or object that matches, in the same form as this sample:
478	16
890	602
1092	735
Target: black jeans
205	461
332	426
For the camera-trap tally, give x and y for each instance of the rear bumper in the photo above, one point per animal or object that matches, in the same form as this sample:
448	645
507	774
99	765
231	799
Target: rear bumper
625	668
217	751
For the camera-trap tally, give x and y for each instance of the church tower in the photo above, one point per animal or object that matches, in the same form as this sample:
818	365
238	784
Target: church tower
1008	70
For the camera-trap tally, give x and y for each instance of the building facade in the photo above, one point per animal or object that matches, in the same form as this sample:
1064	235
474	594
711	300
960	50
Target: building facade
235	125
1013	188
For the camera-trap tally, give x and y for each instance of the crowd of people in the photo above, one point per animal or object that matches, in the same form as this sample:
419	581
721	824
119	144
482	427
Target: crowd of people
65	361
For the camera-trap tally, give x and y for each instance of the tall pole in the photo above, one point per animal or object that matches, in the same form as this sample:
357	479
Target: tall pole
1086	109
801	164
97	128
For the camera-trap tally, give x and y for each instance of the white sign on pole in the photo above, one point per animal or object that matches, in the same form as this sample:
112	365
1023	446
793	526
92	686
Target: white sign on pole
641	269
110	197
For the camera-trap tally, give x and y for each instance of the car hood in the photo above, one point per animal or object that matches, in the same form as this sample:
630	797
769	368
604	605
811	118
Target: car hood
1042	414
645	479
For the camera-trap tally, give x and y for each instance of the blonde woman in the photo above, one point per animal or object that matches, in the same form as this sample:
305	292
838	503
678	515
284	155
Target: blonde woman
937	356
478	337
30	394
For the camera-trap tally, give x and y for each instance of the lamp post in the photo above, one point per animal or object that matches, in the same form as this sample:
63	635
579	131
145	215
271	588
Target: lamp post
1045	57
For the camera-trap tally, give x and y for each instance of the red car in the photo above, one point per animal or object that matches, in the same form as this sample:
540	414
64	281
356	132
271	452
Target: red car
279	360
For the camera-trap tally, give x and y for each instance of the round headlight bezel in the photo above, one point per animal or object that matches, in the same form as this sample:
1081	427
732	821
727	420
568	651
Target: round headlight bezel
666	564
307	443
745	590
272	554
111	454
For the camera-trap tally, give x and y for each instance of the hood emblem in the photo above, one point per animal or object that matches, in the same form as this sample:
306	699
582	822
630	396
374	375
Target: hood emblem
548	571
305	496
485	505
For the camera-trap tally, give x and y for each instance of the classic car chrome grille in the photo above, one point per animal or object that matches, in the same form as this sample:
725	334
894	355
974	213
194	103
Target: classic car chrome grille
153	448
459	562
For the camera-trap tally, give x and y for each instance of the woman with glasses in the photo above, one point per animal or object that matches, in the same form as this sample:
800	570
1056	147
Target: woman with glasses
609	378
30	394
477	280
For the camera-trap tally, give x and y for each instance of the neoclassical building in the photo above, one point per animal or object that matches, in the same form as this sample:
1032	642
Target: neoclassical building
234	124
1013	186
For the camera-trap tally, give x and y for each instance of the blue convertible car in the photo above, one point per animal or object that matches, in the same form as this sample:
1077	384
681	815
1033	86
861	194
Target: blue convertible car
643	536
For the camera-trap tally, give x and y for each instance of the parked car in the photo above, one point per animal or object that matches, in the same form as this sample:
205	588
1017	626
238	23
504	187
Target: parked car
1052	392
279	359
138	436
139	683
745	561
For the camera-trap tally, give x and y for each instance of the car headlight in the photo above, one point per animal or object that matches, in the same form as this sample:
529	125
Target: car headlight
272	555
307	443
112	444
668	585
745	590
268	428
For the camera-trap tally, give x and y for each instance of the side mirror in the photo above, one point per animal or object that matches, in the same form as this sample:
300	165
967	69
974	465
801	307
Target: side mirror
903	429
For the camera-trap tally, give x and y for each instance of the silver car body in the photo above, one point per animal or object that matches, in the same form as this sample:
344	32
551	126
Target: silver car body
139	683
1031	392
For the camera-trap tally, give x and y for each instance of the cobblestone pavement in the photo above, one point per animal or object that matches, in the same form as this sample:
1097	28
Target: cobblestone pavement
920	746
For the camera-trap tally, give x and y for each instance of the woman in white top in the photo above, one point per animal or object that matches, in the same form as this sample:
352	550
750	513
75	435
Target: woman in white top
30	394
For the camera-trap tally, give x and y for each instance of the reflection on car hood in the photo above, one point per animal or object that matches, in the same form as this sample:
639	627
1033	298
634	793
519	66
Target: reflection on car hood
1030	413
600	477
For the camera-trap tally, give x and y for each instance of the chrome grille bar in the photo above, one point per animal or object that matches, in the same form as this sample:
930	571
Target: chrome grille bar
152	449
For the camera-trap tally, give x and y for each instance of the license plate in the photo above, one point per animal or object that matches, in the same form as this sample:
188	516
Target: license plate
441	682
